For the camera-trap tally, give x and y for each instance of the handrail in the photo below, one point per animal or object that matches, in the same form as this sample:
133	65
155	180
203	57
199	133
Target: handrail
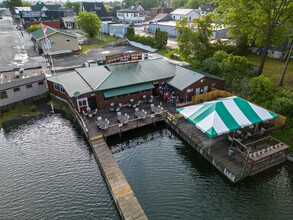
136	119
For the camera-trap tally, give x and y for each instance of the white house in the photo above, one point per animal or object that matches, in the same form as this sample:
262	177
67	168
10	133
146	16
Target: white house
205	9
131	16
21	85
179	14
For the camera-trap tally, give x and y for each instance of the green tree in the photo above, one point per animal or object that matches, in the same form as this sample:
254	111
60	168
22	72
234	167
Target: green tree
178	3
12	3
161	37
74	5
33	28
194	39
88	23
261	91
196	3
26	4
265	22
130	33
107	7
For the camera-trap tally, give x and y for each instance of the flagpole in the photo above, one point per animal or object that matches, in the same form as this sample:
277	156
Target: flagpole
49	45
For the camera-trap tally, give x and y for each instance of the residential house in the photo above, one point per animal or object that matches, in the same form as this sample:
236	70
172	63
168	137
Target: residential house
114	28
155	11
130	16
98	87
21	85
205	9
60	41
97	8
179	14
137	7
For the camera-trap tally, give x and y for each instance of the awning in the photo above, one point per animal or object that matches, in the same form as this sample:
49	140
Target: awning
127	89
225	115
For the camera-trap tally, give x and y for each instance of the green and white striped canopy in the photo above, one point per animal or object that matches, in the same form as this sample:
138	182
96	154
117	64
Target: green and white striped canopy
225	115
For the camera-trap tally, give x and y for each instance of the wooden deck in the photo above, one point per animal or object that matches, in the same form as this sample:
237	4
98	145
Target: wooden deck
235	168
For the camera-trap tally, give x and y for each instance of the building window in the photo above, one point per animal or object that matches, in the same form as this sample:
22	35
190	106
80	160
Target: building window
17	89
3	95
189	18
82	103
68	40
40	83
213	84
56	86
29	86
62	89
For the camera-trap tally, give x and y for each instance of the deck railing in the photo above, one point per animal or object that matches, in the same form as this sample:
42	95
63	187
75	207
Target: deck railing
134	123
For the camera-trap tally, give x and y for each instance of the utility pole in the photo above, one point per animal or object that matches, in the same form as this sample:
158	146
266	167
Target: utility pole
286	65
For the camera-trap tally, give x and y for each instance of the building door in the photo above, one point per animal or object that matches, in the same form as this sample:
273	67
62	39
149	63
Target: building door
92	102
205	89
197	91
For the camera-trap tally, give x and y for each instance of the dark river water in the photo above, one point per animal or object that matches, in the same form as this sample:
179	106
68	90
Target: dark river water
47	171
173	181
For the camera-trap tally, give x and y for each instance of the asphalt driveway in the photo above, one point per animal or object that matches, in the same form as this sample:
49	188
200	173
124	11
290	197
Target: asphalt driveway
97	53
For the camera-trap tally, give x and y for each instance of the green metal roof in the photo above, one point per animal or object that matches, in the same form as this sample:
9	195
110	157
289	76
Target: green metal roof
137	72
39	34
72	82
187	76
127	89
94	76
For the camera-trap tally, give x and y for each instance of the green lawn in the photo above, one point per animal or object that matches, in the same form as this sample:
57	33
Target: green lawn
103	40
274	68
286	136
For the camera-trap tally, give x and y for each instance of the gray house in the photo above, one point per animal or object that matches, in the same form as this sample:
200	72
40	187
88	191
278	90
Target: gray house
15	86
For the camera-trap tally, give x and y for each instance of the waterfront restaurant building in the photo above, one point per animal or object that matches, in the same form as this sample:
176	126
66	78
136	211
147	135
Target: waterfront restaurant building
98	87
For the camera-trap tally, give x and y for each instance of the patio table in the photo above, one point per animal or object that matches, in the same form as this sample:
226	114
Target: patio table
122	118
156	109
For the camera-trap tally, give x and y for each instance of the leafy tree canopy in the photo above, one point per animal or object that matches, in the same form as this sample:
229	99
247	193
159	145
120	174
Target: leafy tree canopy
146	4
26	4
161	37
194	39
33	28
264	22
196	3
88	23
74	5
12	3
107	7
261	91
178	3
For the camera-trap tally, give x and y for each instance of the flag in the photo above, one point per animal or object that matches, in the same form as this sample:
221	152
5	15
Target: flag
45	31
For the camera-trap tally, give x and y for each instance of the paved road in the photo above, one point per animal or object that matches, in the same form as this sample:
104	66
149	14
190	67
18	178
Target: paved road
171	40
96	53
12	50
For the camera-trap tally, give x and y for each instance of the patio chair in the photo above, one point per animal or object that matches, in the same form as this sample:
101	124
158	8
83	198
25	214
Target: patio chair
95	112
136	109
99	118
118	113
84	113
150	100
144	97
152	105
112	107
88	108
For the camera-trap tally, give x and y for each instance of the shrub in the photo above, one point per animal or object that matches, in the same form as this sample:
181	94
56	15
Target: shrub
33	28
130	33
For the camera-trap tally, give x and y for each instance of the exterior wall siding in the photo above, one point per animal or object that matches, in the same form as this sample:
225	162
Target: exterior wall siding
24	92
169	29
60	42
218	84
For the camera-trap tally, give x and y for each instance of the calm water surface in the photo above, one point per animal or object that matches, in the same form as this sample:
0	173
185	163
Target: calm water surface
47	171
172	181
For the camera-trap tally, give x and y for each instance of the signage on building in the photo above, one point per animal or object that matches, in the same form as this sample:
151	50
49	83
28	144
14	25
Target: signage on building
124	57
101	62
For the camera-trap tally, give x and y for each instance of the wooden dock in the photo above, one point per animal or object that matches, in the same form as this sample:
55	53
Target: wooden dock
232	167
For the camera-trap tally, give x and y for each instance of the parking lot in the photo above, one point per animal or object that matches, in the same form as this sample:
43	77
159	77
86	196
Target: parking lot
97	53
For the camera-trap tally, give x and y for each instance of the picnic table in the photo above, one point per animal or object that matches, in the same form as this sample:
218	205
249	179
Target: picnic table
122	118
140	113
102	123
156	109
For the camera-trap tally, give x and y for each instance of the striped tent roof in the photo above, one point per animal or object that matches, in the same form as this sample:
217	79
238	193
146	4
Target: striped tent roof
225	115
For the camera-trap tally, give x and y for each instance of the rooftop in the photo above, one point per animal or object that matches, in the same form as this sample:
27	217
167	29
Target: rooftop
180	11
6	77
39	34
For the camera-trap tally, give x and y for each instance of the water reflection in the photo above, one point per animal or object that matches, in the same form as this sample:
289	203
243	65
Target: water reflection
47	171
173	181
